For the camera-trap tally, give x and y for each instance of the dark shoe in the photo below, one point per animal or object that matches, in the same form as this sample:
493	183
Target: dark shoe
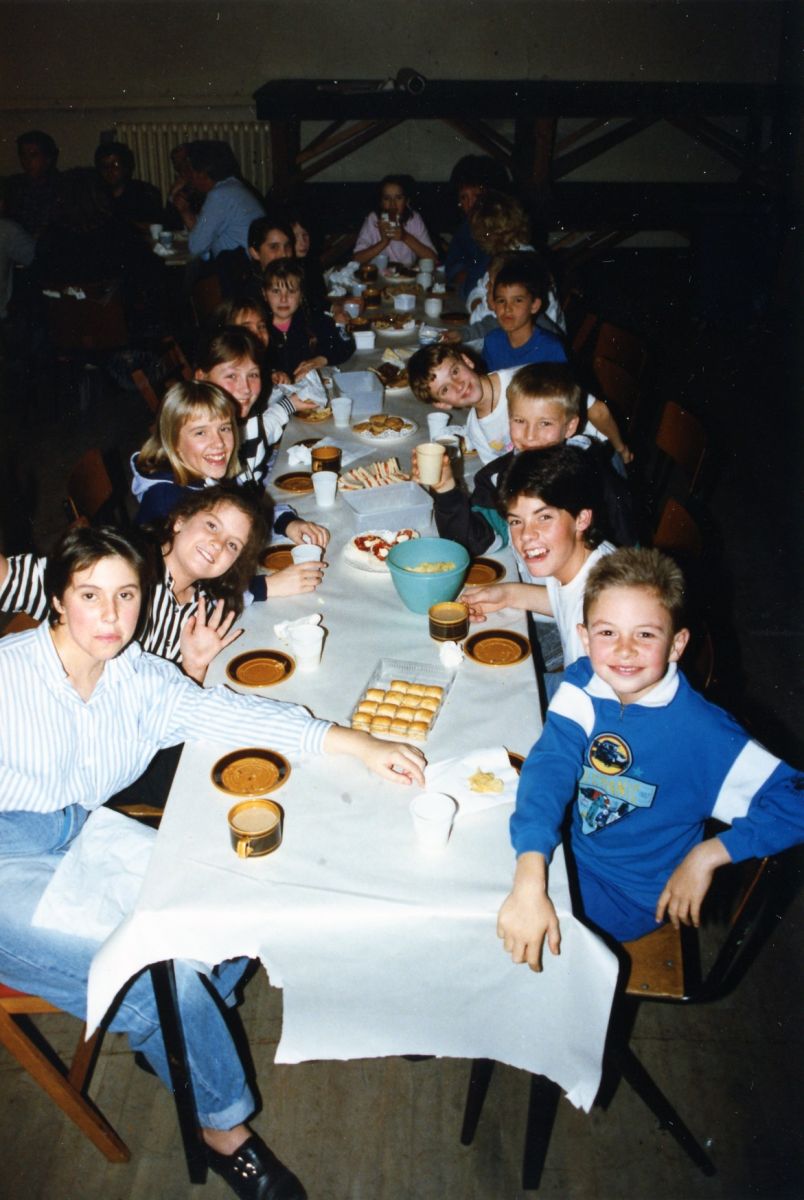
255	1173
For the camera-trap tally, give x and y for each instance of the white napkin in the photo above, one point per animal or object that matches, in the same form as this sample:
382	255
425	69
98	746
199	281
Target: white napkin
163	251
311	387
282	628
451	655
301	456
344	275
97	882
451	776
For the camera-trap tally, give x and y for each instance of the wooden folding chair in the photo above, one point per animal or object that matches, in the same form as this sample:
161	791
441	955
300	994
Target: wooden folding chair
66	1085
623	348
143	386
618	388
682	437
206	295
92	494
663	965
678	533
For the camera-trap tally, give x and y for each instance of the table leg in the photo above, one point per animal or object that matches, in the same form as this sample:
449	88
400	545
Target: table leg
164	983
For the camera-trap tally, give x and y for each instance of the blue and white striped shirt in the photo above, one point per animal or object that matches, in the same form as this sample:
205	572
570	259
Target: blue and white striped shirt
57	750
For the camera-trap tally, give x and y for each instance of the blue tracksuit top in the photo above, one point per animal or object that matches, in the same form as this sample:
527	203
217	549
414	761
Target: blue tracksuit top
643	778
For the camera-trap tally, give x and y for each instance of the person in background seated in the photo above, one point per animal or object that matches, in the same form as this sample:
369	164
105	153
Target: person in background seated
315	287
300	340
131	200
471	176
519	293
17	249
229	204
269	238
32	195
90	685
394	228
181	183
644	761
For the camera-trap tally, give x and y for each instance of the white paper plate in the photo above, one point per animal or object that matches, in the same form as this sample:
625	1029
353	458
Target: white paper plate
365	561
387	435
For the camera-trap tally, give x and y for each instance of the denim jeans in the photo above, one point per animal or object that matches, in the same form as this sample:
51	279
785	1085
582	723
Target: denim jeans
55	966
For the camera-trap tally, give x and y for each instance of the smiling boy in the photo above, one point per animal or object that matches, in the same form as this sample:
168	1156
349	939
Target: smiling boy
645	761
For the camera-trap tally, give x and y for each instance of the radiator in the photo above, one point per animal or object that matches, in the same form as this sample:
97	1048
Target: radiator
152	141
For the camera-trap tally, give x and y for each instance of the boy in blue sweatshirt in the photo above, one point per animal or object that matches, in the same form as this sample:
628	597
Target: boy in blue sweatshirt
645	761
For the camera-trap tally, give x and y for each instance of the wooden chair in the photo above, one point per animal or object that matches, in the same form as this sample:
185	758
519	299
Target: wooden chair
206	295
623	348
143	386
682	437
662	966
93	495
66	1085
678	533
618	388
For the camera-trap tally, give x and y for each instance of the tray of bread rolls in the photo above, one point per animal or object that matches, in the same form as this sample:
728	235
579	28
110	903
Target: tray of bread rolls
402	700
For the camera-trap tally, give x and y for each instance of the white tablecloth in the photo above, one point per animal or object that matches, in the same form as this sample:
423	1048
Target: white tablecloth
379	948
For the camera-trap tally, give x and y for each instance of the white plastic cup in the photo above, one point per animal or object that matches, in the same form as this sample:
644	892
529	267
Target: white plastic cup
430	457
155	231
325	486
433	306
437	422
306	643
352	308
425	279
307	552
341	412
381	261
365	339
433	814
357	288
427	264
404	302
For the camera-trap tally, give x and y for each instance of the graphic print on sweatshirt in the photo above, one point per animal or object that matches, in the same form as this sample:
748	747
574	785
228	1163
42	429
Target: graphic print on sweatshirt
605	793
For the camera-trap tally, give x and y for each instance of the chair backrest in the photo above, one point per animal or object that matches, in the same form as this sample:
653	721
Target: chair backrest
677	532
207	294
97	322
623	348
143	385
618	388
18	624
682	437
93	495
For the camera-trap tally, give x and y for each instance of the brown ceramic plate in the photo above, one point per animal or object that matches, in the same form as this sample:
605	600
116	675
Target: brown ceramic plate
278	557
300	482
314	414
517	761
260	668
484	571
252	772
497	647
308	442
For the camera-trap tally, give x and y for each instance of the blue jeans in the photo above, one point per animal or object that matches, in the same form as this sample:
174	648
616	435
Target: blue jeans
56	966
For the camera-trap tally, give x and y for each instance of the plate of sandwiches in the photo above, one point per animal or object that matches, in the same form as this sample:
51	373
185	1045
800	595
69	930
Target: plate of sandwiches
368	551
377	474
395	324
384	427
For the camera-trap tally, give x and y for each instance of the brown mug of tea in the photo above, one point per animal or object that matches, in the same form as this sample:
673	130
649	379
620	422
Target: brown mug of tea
255	827
326	458
449	621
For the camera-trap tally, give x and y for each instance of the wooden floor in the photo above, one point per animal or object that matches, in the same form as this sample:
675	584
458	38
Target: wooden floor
389	1129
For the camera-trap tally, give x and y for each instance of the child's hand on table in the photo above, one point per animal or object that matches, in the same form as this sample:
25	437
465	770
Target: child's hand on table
483	600
295	580
298	531
393	761
684	891
527	915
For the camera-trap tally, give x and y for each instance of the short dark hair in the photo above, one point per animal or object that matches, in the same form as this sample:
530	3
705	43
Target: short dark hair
527	271
80	548
646	568
216	158
480	171
118	150
562	476
43	140
283	269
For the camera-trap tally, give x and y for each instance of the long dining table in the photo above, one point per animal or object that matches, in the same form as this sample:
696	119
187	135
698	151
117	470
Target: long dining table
380	947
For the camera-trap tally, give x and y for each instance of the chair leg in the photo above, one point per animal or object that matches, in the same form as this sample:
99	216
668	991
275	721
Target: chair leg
542	1108
163	978
635	1074
78	1108
479	1080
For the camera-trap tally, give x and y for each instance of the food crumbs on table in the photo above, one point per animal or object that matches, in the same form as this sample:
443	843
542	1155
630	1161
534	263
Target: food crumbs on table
486	782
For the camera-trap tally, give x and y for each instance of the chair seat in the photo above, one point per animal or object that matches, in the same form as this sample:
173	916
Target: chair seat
657	964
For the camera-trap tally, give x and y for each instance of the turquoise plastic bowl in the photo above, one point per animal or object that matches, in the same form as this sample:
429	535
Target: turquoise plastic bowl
419	590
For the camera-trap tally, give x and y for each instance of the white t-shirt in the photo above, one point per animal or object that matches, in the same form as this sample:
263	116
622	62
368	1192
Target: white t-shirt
566	601
491	435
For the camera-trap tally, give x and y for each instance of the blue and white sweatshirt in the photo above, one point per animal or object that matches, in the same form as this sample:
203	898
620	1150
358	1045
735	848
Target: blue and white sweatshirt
643	779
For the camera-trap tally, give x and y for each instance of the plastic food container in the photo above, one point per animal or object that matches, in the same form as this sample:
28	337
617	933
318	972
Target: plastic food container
364	388
395	506
426	708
